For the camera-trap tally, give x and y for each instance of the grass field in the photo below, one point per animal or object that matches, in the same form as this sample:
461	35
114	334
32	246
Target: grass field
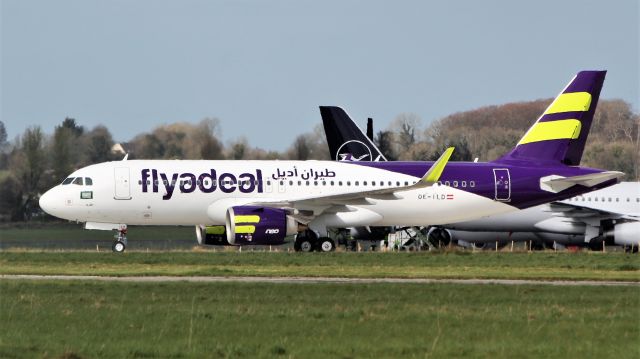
71	236
455	264
240	320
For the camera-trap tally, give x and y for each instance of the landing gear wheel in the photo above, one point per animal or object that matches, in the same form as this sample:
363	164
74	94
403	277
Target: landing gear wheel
305	241
120	242
326	244
118	246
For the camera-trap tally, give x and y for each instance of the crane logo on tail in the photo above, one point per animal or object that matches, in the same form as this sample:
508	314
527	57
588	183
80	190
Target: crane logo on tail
354	150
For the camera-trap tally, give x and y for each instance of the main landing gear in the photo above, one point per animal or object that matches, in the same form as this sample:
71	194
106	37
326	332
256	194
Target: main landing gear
308	241
120	242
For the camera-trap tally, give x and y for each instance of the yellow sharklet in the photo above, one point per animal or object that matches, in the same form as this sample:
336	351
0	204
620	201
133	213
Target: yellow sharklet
552	130
247	219
570	102
433	174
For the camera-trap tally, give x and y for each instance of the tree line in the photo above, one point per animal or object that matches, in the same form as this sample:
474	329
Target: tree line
35	161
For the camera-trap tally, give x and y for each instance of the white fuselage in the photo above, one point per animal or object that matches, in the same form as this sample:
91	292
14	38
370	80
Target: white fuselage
158	192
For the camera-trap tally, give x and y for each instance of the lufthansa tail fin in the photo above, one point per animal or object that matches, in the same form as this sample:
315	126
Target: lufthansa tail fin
346	141
559	135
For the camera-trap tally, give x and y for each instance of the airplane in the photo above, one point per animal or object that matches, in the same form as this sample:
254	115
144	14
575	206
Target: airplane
611	214
262	202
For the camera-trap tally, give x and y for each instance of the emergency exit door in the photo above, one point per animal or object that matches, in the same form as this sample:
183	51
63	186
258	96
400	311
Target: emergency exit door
121	180
503	184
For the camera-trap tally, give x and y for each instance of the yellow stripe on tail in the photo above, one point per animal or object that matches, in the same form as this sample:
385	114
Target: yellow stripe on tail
552	130
570	102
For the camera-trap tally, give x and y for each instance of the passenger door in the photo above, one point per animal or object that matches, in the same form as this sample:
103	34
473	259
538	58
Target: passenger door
121	180
503	184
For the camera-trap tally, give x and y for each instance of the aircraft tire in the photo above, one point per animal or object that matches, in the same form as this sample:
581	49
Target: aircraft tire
118	247
326	244
303	243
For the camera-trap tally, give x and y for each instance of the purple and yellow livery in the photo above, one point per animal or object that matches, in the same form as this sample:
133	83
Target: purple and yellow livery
543	167
261	202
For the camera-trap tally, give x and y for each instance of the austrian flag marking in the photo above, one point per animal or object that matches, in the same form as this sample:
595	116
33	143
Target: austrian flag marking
450	196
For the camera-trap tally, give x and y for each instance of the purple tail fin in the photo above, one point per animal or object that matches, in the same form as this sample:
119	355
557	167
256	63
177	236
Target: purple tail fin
559	135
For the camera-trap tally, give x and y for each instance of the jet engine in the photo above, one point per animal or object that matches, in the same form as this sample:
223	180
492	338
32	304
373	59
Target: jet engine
246	225
211	235
439	237
627	233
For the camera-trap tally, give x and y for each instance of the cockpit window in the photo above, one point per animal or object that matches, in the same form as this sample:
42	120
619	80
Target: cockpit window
67	181
78	181
88	181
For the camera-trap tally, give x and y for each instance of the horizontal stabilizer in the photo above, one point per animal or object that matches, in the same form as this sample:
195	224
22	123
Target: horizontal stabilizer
557	184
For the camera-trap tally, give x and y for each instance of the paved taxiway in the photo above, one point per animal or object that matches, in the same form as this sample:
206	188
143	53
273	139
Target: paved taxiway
301	280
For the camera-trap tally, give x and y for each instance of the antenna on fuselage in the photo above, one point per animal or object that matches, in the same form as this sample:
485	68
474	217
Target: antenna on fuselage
125	157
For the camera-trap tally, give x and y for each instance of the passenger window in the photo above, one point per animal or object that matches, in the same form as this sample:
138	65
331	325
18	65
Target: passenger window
315	183
406	183
357	183
373	183
88	181
455	183
78	181
67	181
332	183
447	183
339	183
324	183
348	183
464	183
364	183
472	183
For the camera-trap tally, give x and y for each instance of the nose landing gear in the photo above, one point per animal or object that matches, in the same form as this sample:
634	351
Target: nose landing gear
120	242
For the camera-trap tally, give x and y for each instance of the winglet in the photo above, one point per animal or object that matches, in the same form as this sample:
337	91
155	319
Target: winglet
433	174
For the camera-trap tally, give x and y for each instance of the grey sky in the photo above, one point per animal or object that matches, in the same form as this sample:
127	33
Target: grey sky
263	67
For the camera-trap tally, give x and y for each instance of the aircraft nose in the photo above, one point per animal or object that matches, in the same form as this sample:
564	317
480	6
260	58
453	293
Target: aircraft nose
47	202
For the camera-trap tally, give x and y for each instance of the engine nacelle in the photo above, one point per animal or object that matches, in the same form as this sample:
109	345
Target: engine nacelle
258	225
439	237
370	233
627	233
211	235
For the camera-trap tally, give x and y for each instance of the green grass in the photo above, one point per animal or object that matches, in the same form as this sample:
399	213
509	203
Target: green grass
541	265
240	320
34	232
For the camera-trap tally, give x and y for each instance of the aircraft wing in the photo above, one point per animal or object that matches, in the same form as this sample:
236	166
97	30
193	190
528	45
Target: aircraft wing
314	205
583	213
